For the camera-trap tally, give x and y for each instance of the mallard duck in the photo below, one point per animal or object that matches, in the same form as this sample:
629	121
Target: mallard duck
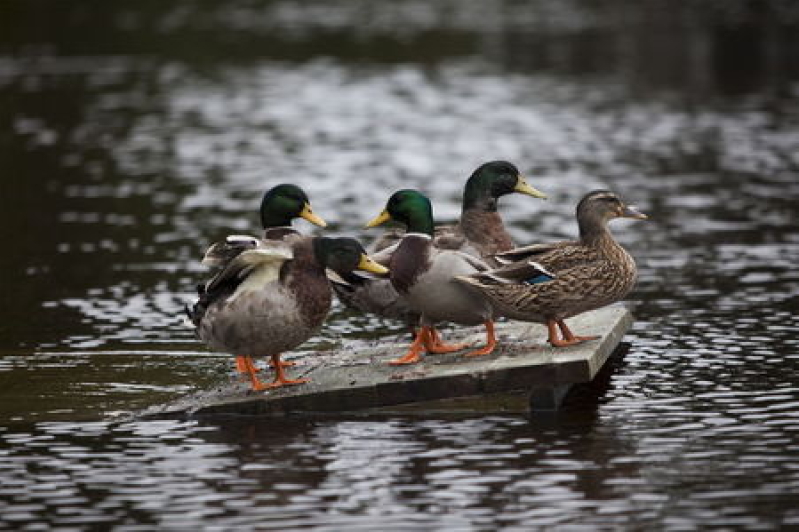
280	205
551	282
479	232
423	273
274	297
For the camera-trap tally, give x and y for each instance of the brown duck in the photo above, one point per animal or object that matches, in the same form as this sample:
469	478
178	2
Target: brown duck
548	283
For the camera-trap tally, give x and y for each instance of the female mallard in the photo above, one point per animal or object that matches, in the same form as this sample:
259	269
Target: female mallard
551	282
423	273
479	232
280	205
273	298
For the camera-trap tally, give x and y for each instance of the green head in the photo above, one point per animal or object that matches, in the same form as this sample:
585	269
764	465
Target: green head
283	203
491	181
344	255
410	207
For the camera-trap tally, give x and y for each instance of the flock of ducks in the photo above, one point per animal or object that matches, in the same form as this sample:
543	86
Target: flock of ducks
271	294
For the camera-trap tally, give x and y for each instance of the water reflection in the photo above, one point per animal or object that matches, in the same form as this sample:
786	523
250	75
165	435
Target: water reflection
486	472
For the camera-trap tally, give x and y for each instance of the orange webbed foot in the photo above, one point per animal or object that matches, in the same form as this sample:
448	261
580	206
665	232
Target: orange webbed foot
280	375
570	337
435	346
491	342
564	343
414	354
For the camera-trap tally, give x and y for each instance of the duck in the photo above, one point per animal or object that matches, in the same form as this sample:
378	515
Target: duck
479	232
422	273
280	205
548	283
272	298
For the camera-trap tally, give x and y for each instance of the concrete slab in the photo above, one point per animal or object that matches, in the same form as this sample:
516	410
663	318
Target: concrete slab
524	373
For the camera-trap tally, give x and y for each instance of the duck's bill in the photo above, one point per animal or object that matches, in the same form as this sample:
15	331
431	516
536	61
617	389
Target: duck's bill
309	215
631	211
523	187
368	264
381	218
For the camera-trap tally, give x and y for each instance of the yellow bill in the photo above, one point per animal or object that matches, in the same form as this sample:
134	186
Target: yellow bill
368	264
309	215
523	187
382	218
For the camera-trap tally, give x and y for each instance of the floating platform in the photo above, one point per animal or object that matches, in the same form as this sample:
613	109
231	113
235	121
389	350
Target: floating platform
524	373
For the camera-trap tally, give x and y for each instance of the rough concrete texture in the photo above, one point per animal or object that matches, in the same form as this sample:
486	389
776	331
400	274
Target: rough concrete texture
356	376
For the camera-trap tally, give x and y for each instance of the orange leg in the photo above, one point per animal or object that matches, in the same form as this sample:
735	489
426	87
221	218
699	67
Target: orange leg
491	341
417	348
241	364
280	375
251	370
435	346
570	336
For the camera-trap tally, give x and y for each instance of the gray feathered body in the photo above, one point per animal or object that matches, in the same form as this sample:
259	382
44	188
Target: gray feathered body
266	308
479	233
424	275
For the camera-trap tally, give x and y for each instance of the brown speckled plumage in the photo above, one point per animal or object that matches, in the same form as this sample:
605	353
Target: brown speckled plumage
588	274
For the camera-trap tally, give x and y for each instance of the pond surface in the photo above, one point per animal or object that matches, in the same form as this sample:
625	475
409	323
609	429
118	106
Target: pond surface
134	134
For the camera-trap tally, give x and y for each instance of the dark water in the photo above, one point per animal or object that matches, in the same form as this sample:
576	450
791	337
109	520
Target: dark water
134	133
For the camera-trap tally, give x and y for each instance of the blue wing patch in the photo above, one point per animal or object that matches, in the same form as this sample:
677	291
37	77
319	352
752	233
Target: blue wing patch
538	279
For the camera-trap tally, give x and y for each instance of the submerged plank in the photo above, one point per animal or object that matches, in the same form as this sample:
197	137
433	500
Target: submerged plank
356	377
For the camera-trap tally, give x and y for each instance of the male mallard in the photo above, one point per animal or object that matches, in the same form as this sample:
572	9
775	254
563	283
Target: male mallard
479	232
280	205
551	282
423	275
273	298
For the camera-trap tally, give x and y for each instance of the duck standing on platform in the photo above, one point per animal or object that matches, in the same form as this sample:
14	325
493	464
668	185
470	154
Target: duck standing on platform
280	205
548	283
423	273
272	298
479	232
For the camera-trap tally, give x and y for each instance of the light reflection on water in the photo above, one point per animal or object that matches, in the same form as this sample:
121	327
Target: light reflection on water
631	468
144	160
